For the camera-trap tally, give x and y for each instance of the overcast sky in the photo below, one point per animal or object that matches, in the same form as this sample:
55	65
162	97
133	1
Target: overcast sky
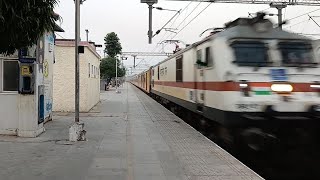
129	19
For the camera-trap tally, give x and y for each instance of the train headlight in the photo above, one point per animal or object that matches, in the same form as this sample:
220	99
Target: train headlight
281	88
243	85
245	88
315	86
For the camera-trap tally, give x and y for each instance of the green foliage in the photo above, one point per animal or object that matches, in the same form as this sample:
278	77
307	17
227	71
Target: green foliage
113	46
22	22
108	68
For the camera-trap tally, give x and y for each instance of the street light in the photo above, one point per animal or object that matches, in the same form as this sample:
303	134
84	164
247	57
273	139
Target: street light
120	58
163	9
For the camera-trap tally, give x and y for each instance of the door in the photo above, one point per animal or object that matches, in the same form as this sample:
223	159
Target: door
199	81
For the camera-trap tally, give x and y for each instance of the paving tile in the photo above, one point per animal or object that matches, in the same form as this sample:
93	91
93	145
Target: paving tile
148	170
130	136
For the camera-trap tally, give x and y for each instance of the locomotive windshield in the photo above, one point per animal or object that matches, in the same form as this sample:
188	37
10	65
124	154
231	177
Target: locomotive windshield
296	53
250	53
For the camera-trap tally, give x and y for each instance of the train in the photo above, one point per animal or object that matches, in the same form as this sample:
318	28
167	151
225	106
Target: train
251	78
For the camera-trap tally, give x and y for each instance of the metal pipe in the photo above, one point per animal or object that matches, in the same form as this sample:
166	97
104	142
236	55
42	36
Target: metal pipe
134	62
280	17
150	24
116	75
87	33
77	39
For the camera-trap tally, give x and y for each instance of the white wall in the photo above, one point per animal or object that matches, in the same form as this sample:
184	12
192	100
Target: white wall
9	115
64	81
93	83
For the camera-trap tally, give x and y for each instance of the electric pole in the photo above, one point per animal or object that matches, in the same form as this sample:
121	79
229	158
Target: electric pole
76	131
279	7
150	3
134	61
77	40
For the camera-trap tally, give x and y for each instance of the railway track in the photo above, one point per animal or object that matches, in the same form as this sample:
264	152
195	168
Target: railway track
295	157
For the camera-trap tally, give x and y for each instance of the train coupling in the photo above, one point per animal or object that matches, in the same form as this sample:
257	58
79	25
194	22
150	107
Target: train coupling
258	140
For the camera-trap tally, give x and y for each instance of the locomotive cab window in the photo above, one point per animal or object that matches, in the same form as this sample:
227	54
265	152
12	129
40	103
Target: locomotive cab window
296	53
179	70
250	53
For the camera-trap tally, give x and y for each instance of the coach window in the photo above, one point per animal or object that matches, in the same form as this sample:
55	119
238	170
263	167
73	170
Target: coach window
199	56
209	58
158	72
179	71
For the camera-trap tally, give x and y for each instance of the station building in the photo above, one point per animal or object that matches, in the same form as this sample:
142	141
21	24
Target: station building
64	76
26	88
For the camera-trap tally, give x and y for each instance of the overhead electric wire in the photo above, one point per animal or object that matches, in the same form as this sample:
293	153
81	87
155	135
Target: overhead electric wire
174	22
313	21
189	14
298	23
192	20
162	38
184	18
303	14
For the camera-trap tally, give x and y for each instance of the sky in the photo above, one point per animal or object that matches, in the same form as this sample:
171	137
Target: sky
129	19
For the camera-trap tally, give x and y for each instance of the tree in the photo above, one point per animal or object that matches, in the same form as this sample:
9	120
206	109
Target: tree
108	68
23	22
108	65
113	46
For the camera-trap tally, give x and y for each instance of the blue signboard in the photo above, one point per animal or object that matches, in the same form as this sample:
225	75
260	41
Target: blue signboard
278	75
27	60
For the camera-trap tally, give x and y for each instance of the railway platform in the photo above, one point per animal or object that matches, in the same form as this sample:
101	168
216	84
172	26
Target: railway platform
129	137
162	146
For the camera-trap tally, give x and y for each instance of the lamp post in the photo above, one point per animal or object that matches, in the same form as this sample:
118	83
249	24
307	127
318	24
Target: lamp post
117	90
120	59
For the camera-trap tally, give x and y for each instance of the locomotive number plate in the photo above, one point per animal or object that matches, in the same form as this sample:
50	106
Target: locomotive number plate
278	75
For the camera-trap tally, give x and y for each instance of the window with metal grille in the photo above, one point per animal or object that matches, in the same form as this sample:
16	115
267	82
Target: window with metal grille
9	75
179	70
